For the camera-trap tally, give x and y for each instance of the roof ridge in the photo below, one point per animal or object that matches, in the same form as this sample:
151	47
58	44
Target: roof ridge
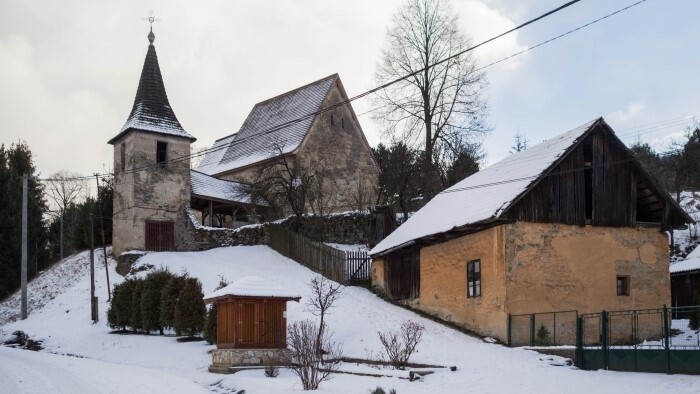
335	75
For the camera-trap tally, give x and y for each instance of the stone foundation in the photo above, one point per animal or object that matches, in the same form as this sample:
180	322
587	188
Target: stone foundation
224	359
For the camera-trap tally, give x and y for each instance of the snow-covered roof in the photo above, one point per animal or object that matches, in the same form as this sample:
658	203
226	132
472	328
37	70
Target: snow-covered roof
151	111
204	185
252	286
213	155
273	127
689	264
484	195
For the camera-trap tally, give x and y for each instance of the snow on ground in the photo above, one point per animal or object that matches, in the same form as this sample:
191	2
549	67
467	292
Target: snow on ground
52	282
64	325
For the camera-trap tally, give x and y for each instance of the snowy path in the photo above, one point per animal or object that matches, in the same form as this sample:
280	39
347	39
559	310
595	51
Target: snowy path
23	371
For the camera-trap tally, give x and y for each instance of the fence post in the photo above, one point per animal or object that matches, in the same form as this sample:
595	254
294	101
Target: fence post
604	337
509	328
554	329
667	344
579	342
532	329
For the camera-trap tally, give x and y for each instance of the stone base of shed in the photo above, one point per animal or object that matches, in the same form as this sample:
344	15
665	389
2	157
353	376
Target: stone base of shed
231	360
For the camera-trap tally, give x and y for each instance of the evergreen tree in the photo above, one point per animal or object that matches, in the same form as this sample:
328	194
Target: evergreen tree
120	306
170	293
190	311
211	323
151	299
136	317
14	162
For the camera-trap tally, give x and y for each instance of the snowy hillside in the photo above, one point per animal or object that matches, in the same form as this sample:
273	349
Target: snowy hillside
64	325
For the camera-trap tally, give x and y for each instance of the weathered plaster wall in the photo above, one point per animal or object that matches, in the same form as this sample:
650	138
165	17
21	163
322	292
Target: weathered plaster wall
443	286
553	267
379	276
156	193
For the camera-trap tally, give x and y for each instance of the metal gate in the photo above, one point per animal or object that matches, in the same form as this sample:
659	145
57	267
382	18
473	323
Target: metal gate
645	340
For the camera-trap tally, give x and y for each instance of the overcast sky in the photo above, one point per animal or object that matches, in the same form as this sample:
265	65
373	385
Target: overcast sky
69	70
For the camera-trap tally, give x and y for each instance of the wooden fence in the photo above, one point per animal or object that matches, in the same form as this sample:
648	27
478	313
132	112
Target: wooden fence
350	268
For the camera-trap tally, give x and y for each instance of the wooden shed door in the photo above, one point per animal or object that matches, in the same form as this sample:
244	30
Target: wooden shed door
248	322
273	323
225	329
160	236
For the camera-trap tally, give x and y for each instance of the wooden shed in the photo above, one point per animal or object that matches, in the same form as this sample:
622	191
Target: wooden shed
251	314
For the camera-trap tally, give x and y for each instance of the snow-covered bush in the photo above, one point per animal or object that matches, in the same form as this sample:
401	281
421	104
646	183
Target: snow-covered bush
380	390
136	317
400	345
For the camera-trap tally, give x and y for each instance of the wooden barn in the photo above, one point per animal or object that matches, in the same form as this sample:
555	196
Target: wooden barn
573	223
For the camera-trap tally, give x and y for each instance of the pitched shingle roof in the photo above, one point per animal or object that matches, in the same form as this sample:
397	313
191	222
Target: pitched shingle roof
203	185
151	111
280	122
484	195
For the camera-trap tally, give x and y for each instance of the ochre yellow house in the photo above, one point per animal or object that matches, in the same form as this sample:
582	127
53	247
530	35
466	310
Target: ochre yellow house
573	223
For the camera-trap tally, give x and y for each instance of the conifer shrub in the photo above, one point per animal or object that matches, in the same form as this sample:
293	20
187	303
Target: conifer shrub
190	311
543	337
169	295
136	318
151	295
210	326
119	314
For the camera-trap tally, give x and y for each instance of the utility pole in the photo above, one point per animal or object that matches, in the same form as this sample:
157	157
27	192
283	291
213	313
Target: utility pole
62	213
104	246
23	306
93	299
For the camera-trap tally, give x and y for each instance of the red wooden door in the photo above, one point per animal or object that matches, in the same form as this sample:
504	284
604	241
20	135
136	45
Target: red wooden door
160	236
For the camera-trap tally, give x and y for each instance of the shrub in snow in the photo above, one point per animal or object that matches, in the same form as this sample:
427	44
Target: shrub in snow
694	321
324	293
151	299
380	390
119	314
307	363
272	370
400	345
136	292
168	299
210	325
190	311
542	337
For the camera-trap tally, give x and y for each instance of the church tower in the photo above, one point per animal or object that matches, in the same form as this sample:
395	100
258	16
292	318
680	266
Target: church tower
151	167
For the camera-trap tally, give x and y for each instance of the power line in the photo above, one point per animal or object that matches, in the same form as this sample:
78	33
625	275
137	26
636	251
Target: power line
344	102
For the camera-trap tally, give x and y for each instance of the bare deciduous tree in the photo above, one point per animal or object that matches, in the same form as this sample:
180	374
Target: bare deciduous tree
286	181
438	105
400	345
65	189
307	363
324	293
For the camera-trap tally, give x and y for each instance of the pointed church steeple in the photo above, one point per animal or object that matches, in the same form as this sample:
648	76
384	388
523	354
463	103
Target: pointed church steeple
151	111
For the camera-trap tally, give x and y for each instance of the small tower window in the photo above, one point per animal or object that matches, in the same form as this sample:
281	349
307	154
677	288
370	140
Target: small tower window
342	122
122	155
161	152
331	119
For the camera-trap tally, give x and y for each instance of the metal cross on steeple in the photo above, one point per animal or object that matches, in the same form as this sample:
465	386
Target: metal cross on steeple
151	19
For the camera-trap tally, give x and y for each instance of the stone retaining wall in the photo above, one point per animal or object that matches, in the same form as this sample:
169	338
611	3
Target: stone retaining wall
349	228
